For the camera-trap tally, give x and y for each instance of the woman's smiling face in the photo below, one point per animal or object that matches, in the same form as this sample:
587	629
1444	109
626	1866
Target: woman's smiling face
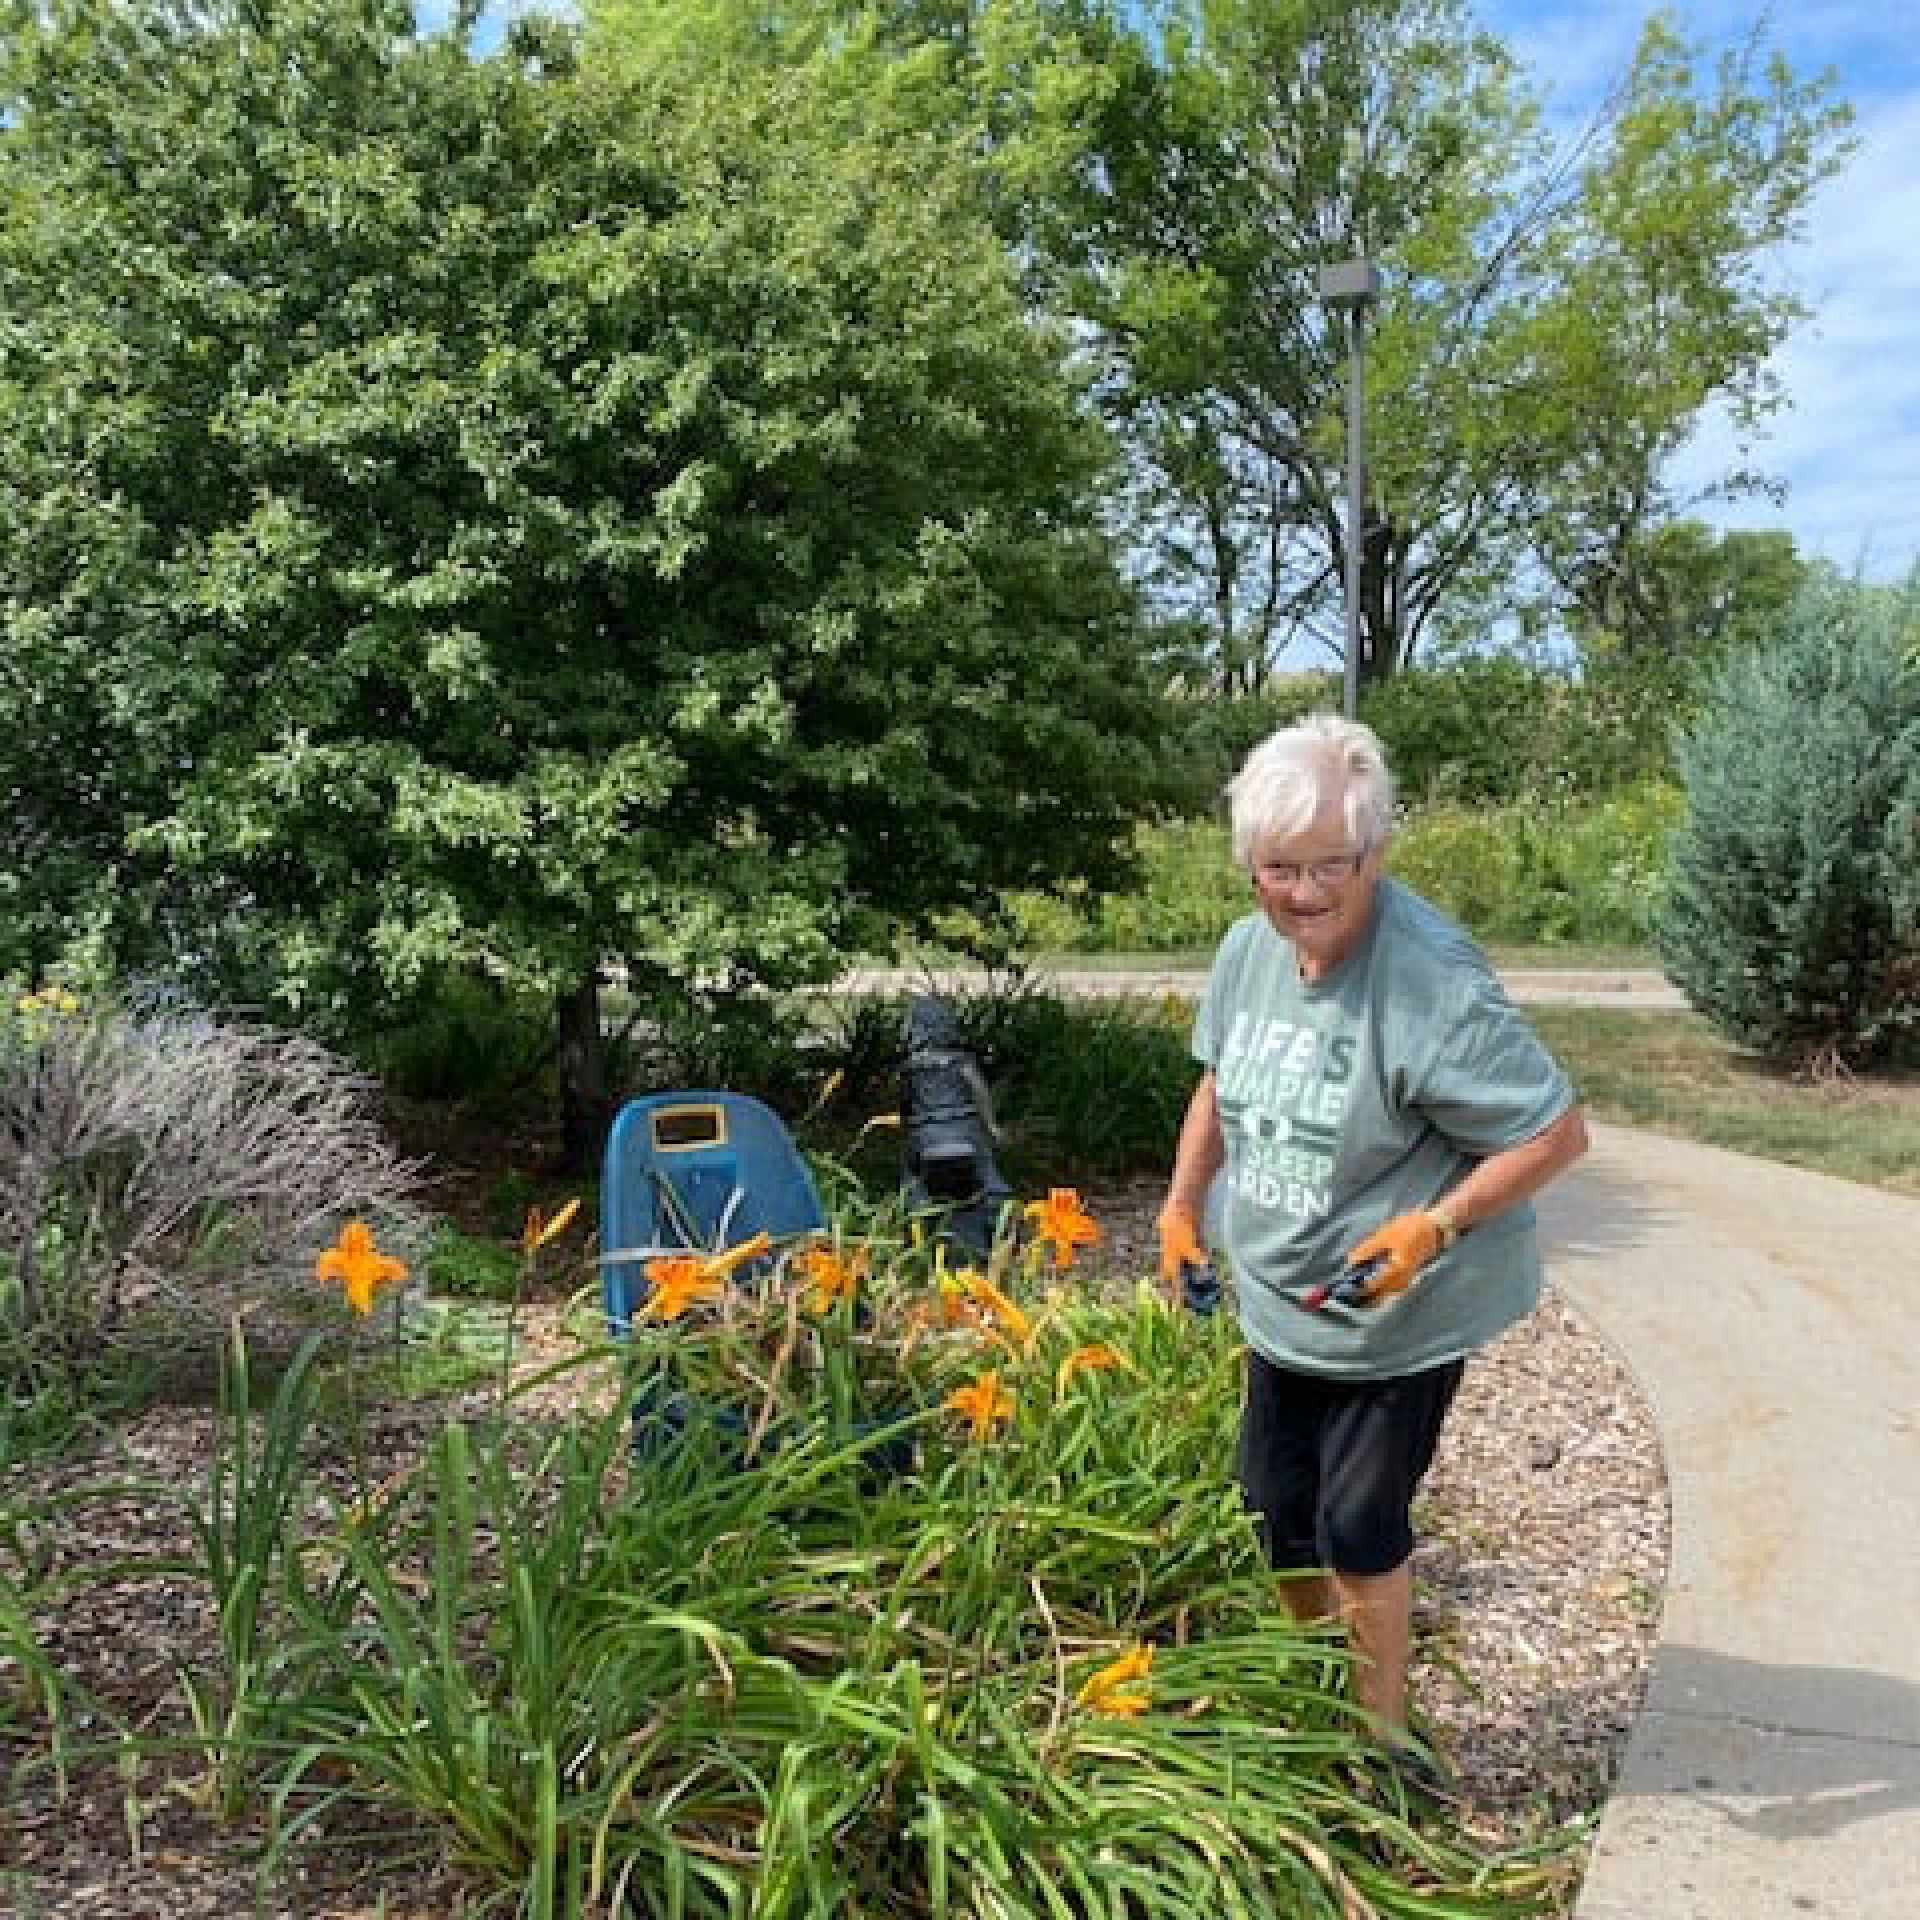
1316	888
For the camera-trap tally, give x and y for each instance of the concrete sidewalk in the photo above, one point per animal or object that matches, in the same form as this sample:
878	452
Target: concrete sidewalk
1768	1315
1566	986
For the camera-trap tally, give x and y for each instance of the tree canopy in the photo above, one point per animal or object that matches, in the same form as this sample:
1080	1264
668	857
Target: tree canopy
1553	322
1679	591
464	513
1556	317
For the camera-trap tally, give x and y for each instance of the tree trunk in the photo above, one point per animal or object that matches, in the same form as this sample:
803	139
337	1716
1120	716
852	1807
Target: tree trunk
584	1100
1380	636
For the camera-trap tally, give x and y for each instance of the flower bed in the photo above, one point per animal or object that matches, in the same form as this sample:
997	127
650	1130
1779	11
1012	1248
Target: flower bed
1035	1669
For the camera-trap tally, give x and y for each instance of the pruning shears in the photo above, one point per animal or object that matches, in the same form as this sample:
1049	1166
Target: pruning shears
1199	1286
1350	1289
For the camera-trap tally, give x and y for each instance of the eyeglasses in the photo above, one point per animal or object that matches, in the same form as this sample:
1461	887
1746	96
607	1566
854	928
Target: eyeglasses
1329	872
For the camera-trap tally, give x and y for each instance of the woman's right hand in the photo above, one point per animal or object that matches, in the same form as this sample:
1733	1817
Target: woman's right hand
1180	1248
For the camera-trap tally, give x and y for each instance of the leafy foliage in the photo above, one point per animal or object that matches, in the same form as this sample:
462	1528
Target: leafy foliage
1547	867
464	517
1552	324
1079	1087
467	1044
1082	1087
1479	727
1792	918
460	1266
1683	594
1543	871
1210	736
1188	894
1489	729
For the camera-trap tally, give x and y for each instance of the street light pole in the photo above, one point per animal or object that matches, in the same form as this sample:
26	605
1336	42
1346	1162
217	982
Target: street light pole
1349	288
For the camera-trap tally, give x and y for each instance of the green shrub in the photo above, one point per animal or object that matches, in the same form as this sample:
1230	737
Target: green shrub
469	1042
1188	894
746	1041
460	1267
1792	918
1208	737
1468	733
1472	864
1493	730
1079	1086
1542	871
1082	1086
1476	729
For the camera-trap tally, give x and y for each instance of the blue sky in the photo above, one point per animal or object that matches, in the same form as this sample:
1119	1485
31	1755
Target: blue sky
1847	445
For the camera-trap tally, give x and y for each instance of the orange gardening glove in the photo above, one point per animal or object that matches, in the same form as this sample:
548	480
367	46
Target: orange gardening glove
1179	1247
1401	1248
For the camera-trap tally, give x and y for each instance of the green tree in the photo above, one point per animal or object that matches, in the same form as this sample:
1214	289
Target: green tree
1659	613
471	516
1553	323
1683	593
1792	917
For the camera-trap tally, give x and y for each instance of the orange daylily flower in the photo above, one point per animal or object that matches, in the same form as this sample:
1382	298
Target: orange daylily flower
1061	1220
830	1276
360	1267
678	1280
981	1402
999	1311
539	1230
1122	1688
1097	1358
675	1282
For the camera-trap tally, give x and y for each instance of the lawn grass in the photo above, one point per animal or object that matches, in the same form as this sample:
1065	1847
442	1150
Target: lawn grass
1569	957
1671	1073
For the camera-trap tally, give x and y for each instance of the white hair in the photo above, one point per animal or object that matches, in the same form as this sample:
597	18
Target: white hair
1287	779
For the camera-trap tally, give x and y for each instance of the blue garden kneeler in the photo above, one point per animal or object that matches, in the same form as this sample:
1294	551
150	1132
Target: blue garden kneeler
698	1171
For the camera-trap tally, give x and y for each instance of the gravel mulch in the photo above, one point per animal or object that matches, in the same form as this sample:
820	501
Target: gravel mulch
1539	1574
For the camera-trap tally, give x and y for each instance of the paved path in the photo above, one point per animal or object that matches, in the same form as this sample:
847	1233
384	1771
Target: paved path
1582	986
1770	1317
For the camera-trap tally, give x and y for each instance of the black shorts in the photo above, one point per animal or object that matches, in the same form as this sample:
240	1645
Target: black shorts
1329	1468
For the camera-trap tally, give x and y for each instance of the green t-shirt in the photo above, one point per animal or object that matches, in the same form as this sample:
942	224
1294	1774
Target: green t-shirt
1361	1096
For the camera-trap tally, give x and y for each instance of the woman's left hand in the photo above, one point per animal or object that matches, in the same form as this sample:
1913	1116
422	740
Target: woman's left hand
1400	1249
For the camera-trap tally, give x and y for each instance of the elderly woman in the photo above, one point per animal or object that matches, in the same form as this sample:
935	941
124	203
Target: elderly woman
1381	1114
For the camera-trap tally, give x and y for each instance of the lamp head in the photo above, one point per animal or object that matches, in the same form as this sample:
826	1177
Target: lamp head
1350	283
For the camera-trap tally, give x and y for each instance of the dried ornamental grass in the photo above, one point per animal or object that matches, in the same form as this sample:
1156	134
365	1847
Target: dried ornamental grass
162	1170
